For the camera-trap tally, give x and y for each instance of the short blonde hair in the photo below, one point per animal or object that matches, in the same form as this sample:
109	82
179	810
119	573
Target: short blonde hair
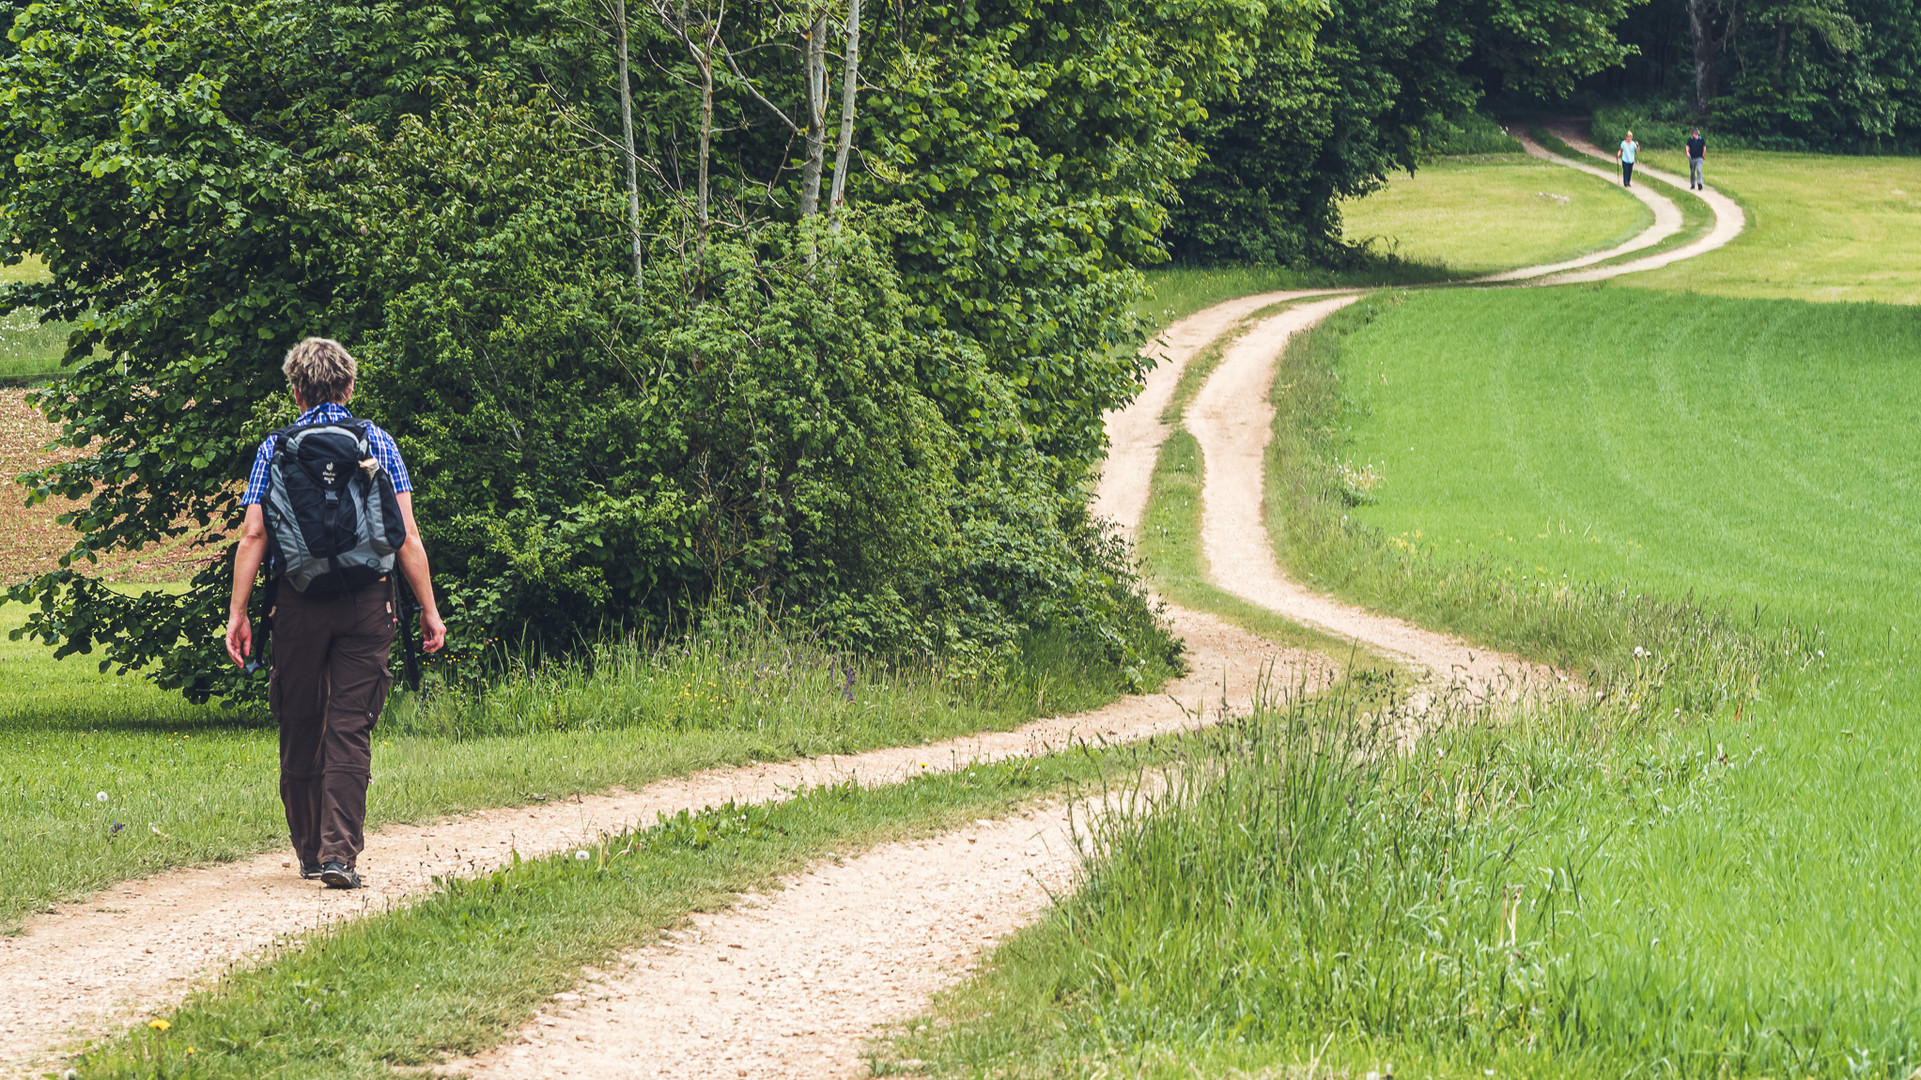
320	370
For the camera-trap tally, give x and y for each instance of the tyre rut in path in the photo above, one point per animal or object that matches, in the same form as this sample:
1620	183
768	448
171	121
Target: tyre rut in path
89	968
1232	418
1667	222
794	984
86	970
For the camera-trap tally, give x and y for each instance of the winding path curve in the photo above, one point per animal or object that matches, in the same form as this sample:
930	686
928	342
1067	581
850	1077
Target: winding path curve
836	952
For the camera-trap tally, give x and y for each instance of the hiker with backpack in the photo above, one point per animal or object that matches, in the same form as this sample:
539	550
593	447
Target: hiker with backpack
330	515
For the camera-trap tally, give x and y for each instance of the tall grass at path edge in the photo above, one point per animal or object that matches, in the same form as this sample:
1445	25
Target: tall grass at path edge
1705	870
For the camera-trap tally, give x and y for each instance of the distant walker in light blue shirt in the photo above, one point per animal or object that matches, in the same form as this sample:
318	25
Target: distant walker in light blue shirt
1625	155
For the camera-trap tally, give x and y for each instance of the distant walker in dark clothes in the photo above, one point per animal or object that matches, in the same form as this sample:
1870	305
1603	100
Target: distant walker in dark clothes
1625	155
1697	153
332	498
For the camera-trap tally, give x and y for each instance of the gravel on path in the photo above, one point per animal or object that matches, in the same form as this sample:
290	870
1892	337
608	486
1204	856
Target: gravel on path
88	969
1667	222
793	985
1232	418
1135	431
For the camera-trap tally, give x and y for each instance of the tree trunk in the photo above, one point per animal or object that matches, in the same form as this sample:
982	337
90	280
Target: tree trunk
627	134
706	138
849	83
816	73
1701	27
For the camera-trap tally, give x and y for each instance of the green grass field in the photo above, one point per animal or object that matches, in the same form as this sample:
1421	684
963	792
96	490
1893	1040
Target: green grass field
1485	214
1706	503
1746	450
1820	227
29	349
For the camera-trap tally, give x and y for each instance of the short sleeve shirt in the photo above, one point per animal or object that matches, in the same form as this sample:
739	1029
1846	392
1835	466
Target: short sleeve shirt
1697	147
383	446
1628	147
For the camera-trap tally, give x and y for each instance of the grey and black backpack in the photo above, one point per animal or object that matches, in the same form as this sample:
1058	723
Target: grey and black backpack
332	517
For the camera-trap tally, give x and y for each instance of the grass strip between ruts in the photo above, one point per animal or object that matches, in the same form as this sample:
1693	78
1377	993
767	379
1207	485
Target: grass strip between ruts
1697	218
465	968
1168	541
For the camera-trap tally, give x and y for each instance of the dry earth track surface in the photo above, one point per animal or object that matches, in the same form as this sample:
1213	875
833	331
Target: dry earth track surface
828	965
86	969
794	985
1667	222
1232	418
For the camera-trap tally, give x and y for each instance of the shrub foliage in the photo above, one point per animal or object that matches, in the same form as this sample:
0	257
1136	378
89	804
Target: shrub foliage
880	417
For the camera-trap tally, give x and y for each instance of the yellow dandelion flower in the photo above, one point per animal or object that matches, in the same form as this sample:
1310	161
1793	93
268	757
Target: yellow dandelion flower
159	1025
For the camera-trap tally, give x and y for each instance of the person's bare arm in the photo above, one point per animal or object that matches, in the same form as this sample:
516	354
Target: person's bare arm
246	566
413	564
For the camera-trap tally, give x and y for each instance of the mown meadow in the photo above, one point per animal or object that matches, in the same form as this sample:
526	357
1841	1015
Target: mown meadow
1820	227
1439	214
1699	504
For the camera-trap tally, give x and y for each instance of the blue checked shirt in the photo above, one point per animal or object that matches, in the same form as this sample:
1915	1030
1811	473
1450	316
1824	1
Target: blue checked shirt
382	444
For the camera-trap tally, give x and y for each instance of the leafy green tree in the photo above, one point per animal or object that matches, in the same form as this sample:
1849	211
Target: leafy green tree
882	422
1835	75
1340	95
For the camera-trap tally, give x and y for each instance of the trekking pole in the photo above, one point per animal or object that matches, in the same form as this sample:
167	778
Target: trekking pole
409	631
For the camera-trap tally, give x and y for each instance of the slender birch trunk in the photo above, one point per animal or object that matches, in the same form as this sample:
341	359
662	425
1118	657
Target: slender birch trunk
849	83
627	134
816	77
706	61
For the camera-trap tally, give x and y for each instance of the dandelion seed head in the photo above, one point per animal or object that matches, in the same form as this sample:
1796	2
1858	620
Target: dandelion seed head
102	797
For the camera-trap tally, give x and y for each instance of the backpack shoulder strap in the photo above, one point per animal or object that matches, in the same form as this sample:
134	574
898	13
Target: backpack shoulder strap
353	423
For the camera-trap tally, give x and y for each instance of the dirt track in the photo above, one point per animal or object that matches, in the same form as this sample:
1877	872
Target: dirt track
89	968
828	965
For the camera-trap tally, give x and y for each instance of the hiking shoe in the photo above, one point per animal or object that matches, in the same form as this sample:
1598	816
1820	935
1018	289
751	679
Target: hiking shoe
309	870
339	876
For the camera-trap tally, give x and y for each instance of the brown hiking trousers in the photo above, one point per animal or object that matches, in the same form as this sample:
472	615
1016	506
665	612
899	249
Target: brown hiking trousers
329	683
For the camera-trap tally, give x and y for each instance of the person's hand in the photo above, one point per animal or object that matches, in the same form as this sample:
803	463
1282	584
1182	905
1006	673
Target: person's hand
239	638
433	631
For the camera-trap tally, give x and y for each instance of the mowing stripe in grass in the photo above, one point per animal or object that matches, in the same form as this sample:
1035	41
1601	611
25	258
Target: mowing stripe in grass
465	968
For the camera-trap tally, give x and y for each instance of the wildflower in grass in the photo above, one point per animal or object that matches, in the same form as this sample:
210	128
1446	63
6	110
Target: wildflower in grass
102	797
158	1024
581	855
